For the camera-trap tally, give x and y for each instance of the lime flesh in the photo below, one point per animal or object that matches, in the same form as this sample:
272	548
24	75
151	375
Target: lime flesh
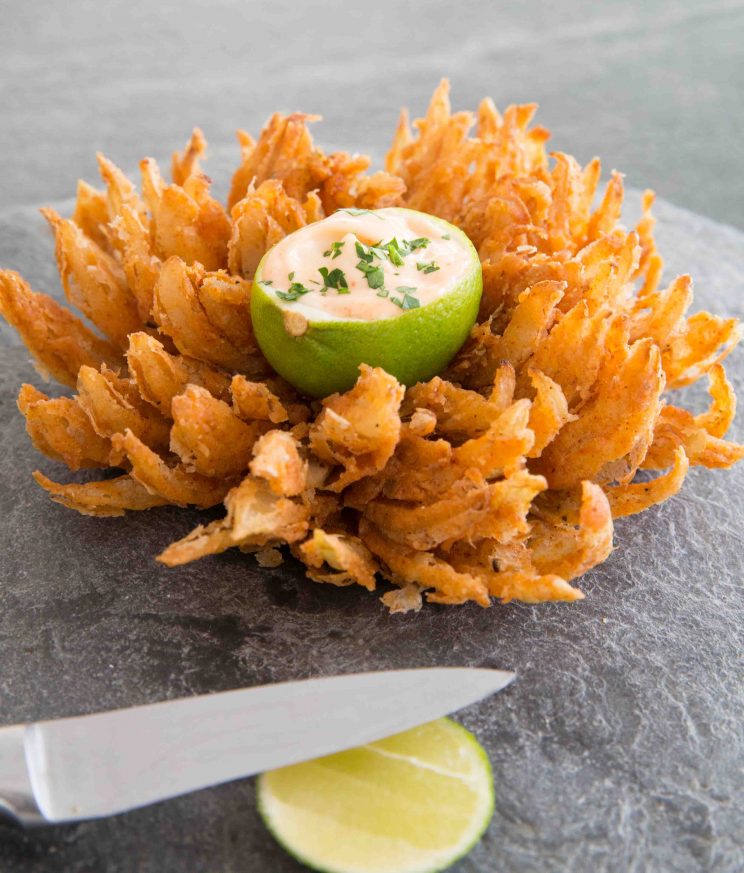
412	803
413	347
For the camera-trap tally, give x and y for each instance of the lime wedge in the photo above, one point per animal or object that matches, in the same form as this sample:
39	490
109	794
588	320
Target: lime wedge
321	353
412	803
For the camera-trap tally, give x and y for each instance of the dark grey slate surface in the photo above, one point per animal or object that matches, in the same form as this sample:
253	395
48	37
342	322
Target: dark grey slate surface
620	746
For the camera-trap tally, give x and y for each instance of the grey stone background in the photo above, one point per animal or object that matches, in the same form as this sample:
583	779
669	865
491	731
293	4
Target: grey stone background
654	87
620	746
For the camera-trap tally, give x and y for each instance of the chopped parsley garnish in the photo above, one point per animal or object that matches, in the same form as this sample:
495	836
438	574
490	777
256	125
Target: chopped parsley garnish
291	276
396	251
393	250
431	267
267	281
334	251
374	275
334	279
446	236
296	290
395	255
407	301
383	292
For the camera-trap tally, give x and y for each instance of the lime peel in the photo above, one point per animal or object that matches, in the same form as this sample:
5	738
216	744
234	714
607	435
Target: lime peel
412	803
414	345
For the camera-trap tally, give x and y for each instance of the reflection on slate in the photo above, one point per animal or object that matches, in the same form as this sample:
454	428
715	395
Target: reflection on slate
618	748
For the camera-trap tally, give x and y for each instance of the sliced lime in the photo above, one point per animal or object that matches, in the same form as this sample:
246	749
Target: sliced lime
412	803
322	355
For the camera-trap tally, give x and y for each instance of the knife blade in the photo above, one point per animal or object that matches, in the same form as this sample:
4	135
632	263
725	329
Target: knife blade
91	766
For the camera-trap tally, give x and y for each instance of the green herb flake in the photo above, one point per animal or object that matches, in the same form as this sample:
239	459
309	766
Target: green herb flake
383	292
374	275
334	251
431	267
375	278
397	301
410	302
267	281
394	253
363	252
334	279
420	243
446	236
296	290
355	211
406	289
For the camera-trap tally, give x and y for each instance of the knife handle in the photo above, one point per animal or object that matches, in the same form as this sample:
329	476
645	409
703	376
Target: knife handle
17	800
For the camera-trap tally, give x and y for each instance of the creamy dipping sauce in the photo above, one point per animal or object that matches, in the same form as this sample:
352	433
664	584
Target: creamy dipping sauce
363	265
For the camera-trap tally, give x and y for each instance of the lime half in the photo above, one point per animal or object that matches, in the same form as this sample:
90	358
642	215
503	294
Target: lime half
318	312
412	803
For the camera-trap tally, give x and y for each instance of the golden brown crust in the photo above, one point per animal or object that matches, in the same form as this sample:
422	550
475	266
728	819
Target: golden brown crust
59	342
496	479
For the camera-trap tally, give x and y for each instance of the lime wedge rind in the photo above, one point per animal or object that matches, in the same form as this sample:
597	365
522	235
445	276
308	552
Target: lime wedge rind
413	346
314	838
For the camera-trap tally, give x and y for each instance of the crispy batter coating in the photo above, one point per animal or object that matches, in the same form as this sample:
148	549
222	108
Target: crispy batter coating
91	214
263	217
111	497
498	478
284	151
405	566
93	281
470	510
351	560
549	412
113	405
255	401
255	516
185	164
208	436
634	497
173	483
197	328
359	430
160	376
594	445
61	430
187	222
572	540
131	236
277	459
60	343
508	572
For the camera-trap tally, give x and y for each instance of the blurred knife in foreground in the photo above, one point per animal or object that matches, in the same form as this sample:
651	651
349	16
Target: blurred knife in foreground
109	762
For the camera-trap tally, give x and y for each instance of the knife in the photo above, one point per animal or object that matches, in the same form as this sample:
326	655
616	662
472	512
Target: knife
72	769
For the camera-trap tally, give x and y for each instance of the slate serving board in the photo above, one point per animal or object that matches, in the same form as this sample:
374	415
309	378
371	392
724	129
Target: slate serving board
619	748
